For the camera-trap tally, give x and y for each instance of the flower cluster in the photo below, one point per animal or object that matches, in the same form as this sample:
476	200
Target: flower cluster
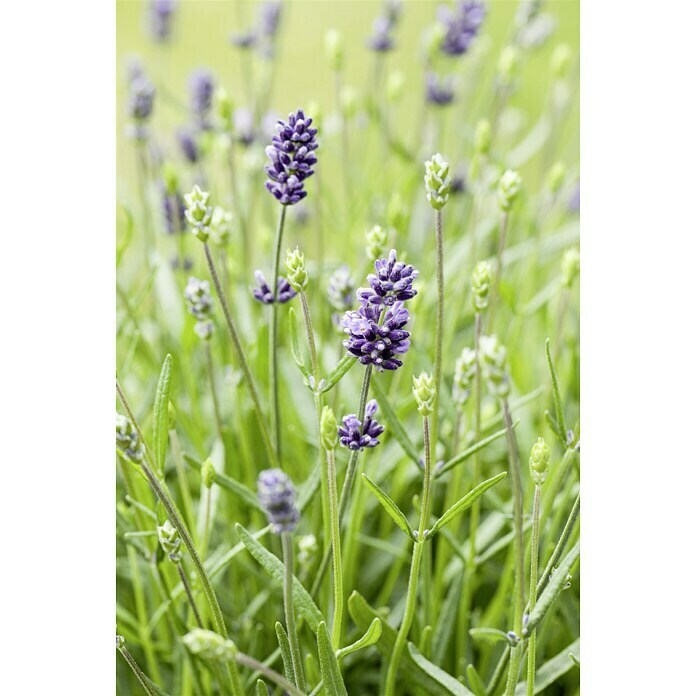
509	188
188	144
201	89
340	289
439	90
221	226
160	13
464	372
200	305
292	157
141	99
539	458
437	181
493	356
424	393
460	26
481	280
381	39
264	33
169	541
128	441
297	271
198	213
376	239
209	645
392	282
356	435
277	497
263	293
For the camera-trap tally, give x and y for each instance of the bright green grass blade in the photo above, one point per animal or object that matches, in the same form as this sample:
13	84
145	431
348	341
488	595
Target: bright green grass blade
261	688
284	644
463	456
343	367
390	506
475	681
557	401
370	637
160	435
489	635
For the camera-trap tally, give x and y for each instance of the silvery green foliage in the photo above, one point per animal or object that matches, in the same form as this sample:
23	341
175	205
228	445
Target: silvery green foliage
209	645
297	272
509	188
570	266
424	393
464	373
220	226
128	441
377	240
198	213
493	356
539	458
481	279
169	540
437	181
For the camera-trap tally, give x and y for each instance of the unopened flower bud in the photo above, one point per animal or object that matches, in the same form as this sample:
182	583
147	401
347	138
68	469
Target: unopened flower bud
539	458
464	372
570	266
333	44
437	181
508	66
220	226
128	443
377	240
424	393
277	496
169	541
120	642
198	212
509	188
209	645
483	136
493	355
307	549
297	272
560	61
555	177
329	429
208	473
481	285
395	85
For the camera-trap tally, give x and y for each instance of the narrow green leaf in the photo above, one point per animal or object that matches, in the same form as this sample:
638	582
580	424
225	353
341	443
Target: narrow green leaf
390	506
447	618
228	483
466	502
553	589
370	637
555	427
295	342
274	567
557	401
344	365
160	435
552	669
261	688
285	654
447	681
489	635
469	451
328	664
475	681
395	427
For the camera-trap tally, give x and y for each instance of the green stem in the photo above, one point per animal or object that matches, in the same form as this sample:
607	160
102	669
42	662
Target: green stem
241	358
272	675
439	324
534	568
336	548
273	336
213	390
206	523
186	499
142	678
412	593
502	234
295	653
518	506
189	593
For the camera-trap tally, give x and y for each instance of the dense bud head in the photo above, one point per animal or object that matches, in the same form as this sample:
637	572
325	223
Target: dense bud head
483	137
481	280
209	645
560	61
297	272
220	226
277	497
356	435
391	282
120	642
556	176
424	393
493	356
198	212
437	181
570	266
169	541
333	44
464	373
376	242
509	188
539	458
208	473
329	429
128	442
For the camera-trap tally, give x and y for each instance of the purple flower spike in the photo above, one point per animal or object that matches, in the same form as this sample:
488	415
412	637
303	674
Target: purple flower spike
461	26
439	91
188	145
277	497
263	293
392	282
174	212
160	15
374	343
201	88
292	157
356	435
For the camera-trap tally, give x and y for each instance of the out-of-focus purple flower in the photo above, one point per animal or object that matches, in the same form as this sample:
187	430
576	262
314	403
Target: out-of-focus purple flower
461	25
244	39
341	289
356	435
277	496
392	282
188	145
374	343
199	302
263	293
160	13
269	18
141	98
174	212
292	157
574	200
201	89
244	126
381	39
458	185
439	91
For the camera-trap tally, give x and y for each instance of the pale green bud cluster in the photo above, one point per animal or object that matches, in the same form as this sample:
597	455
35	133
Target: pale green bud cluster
555	177
481	280
395	85
493	355
570	266
128	443
220	226
437	181
169	541
508	66
224	108
483	135
199	213
329	429
333	44
464	373
210	645
120	642
377	240
539	458
208	473
509	188
424	393
560	61
297	272
307	549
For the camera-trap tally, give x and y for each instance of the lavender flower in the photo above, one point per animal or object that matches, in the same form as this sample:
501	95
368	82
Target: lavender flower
263	293
188	145
200	304
356	435
460	26
173	212
160	14
341	289
277	497
439	90
244	126
381	39
374	343
201	89
128	441
140	102
269	18
292	157
574	199
392	282
244	40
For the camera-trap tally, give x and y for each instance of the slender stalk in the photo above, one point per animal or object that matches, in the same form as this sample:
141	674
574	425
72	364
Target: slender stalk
140	675
239	350
439	324
412	593
518	506
213	389
273	336
206	523
186	499
295	653
502	234
534	568
189	593
336	548
272	675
